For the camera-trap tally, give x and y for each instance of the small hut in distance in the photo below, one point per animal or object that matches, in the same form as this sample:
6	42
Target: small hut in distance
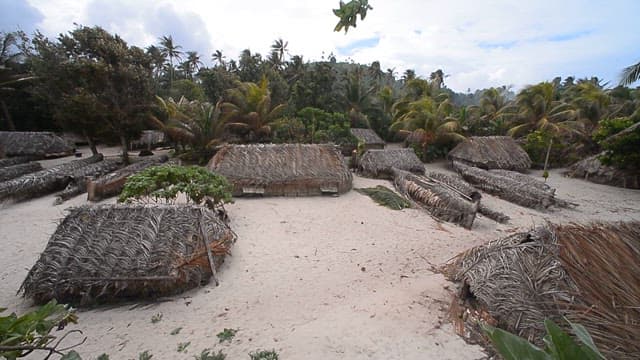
491	152
34	144
380	163
368	138
283	169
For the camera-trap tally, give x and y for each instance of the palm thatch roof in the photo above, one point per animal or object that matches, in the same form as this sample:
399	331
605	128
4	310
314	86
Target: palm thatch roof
36	144
107	253
12	172
369	137
592	169
283	170
589	274
491	152
517	188
379	163
15	161
440	200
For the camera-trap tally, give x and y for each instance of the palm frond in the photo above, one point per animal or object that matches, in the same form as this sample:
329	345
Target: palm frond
385	197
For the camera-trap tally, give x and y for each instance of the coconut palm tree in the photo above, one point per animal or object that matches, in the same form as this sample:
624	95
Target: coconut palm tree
279	47
158	60
172	51
630	74
219	57
249	110
193	59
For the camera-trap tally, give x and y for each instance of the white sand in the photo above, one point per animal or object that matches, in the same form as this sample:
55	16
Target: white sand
312	278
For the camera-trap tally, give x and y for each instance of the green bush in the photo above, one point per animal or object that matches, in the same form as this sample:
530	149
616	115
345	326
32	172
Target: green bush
558	344
623	151
536	145
167	181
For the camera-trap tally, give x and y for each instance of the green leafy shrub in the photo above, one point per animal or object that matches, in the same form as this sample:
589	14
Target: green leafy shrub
622	151
208	354
537	144
167	181
558	344
226	334
264	355
21	335
321	126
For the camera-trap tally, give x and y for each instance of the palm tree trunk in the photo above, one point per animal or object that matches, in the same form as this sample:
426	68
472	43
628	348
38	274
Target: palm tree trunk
546	160
10	125
92	144
125	148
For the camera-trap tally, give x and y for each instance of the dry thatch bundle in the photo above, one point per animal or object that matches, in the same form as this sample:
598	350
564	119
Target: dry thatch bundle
12	172
456	182
36	144
491	152
379	163
509	187
112	183
368	138
114	252
44	181
440	200
80	177
149	139
589	274
15	161
283	170
593	170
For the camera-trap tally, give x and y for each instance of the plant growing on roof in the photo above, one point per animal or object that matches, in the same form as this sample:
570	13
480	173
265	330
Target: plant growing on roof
166	182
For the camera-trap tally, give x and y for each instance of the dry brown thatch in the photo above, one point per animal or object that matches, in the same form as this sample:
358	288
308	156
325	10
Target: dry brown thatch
509	187
149	139
491	152
283	170
456	182
44	181
589	274
15	161
112	183
35	144
440	200
593	170
12	172
369	138
379	163
115	252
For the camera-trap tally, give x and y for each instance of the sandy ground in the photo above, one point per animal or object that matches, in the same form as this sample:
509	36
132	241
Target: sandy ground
312	278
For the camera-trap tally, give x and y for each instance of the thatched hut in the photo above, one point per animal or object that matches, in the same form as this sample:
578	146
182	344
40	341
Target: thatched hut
14	171
107	253
35	144
491	152
368	138
379	163
592	169
589	274
283	170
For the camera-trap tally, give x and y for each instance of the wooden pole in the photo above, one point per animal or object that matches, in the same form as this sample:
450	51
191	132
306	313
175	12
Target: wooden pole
546	161
212	264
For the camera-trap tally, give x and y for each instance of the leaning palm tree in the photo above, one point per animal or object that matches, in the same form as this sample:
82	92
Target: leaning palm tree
249	110
630	74
172	51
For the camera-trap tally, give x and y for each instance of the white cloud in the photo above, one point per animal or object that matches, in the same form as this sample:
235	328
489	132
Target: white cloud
479	43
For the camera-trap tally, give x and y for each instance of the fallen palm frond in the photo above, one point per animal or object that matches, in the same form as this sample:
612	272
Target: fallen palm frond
283	169
12	172
35	144
112	183
109	253
509	188
44	181
589	274
491	152
386	197
456	182
440	200
379	163
15	161
80	177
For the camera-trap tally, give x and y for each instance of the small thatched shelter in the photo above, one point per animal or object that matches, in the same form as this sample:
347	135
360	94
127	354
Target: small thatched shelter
491	152
114	252
589	274
368	138
592	169
283	170
379	163
35	144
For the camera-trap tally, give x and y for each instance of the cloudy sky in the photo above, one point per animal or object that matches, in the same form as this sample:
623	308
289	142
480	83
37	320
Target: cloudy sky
477	43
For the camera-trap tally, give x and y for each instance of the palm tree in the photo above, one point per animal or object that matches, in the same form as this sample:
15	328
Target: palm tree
630	74
409	74
172	51
193	59
249	109
8	76
217	56
279	47
437	79
158	59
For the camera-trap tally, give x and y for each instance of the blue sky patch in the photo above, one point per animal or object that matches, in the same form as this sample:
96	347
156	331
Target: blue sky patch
497	45
569	36
364	43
